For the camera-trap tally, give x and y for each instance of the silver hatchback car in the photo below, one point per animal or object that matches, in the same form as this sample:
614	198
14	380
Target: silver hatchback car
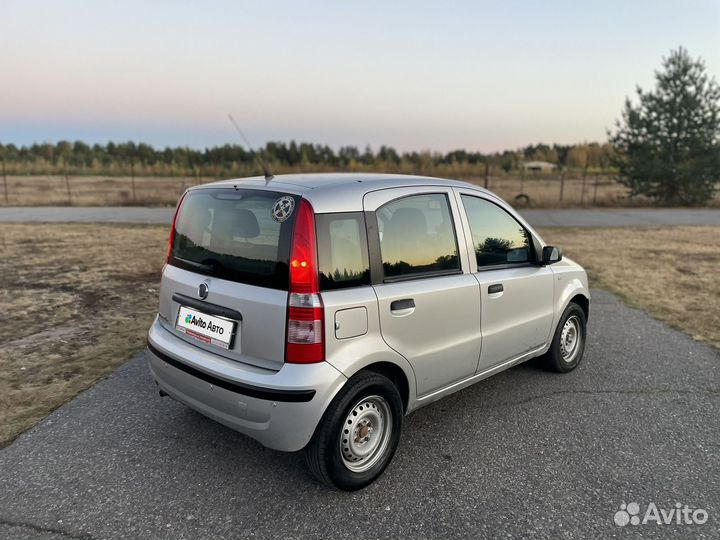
315	311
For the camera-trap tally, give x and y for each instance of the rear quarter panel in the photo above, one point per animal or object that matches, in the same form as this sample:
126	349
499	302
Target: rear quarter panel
350	355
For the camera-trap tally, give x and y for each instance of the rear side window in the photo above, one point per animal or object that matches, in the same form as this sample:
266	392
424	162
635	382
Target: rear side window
240	235
342	250
498	238
417	236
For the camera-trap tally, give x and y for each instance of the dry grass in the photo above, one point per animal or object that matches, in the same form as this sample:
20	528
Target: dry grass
544	191
668	271
77	301
78	298
95	190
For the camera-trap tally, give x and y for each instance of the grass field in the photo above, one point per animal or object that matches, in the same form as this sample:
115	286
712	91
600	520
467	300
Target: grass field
96	191
80	298
670	272
543	191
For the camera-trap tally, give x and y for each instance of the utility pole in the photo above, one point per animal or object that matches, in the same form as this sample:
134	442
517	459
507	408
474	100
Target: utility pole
487	171
562	185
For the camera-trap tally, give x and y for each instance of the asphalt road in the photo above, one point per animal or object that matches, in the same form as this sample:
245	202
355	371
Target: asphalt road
569	217
524	453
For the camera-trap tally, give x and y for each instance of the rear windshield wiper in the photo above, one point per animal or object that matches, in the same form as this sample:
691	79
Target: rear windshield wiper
200	266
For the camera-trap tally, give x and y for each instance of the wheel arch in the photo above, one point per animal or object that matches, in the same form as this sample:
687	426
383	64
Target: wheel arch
396	375
379	359
573	289
582	301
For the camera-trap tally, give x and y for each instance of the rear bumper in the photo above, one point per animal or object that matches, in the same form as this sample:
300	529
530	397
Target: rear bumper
280	409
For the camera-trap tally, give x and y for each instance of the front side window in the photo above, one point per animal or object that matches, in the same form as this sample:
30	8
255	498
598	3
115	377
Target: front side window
498	238
417	236
342	250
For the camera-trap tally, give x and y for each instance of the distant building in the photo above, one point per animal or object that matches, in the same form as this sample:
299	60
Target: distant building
539	165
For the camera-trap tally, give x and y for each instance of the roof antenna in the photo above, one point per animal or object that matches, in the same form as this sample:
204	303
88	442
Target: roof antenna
263	166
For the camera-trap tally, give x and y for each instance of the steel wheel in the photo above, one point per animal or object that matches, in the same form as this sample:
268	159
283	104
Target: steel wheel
568	343
358	433
366	433
570	339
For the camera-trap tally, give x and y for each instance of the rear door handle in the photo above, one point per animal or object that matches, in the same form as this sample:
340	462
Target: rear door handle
399	305
497	288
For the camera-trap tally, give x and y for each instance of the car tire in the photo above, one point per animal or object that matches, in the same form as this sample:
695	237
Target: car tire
358	434
568	344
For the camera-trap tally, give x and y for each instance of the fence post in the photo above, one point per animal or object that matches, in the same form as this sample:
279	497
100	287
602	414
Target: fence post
562	185
582	192
595	189
487	170
5	180
67	181
132	178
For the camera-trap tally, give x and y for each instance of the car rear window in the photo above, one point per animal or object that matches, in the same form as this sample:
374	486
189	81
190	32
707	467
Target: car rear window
241	235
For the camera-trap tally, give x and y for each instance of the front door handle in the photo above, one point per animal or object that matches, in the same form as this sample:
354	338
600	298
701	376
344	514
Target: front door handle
399	305
496	288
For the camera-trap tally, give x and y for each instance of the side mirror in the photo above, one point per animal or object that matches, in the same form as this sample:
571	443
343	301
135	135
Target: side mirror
551	254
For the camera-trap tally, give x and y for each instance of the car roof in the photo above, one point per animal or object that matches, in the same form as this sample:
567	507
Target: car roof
338	192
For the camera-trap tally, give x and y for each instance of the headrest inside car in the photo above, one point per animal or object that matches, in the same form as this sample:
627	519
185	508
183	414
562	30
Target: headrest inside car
239	222
405	220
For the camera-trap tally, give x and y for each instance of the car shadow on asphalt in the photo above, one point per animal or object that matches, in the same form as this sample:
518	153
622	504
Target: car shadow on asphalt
236	457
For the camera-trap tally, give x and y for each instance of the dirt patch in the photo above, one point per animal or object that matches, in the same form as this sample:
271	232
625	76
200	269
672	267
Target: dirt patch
80	298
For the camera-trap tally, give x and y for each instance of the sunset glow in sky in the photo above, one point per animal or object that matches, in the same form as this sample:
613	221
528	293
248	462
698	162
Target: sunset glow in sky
415	75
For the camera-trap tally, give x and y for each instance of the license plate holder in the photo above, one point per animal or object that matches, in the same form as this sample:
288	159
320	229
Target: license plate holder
209	329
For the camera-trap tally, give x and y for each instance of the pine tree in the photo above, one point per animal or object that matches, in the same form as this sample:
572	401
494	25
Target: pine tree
668	145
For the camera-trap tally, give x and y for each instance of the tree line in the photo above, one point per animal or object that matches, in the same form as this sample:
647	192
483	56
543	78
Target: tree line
81	158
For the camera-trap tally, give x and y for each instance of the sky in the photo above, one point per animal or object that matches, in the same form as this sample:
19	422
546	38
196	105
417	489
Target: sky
484	76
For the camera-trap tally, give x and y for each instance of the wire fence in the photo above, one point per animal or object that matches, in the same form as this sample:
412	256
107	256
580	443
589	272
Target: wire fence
521	190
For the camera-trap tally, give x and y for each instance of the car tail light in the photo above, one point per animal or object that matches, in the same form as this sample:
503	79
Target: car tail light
172	228
305	332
